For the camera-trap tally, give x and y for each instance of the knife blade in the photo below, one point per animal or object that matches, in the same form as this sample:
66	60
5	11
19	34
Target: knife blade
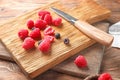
89	30
115	31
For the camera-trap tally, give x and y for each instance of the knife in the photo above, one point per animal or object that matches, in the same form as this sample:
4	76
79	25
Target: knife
89	30
115	31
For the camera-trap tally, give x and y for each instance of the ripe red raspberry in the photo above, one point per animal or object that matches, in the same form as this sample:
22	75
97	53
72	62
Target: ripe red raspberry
105	76
45	45
23	33
35	34
41	24
50	38
80	61
42	14
57	22
48	19
30	24
28	43
49	31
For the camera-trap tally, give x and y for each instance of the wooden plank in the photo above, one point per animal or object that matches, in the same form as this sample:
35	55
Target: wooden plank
50	75
65	67
35	62
93	54
114	6
11	71
111	62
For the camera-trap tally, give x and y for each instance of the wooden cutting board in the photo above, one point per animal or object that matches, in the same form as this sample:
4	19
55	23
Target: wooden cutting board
34	62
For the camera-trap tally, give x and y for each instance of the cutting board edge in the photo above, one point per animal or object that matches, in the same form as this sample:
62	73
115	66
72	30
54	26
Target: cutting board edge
59	60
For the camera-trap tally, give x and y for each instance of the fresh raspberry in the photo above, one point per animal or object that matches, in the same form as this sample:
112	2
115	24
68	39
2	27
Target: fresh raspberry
105	76
80	61
23	33
48	19
42	14
45	45
41	24
50	38
35	34
49	31
30	24
28	43
57	22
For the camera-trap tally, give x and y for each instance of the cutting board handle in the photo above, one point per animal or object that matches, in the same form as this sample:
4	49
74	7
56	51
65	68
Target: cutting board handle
94	33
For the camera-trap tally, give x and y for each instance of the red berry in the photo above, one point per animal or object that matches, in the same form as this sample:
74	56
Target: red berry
35	34
57	21
49	31
48	19
23	33
80	61
28	43
45	45
30	24
105	76
42	14
50	38
41	24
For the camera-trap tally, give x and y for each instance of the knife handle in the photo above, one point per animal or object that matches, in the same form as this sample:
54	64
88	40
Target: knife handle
94	33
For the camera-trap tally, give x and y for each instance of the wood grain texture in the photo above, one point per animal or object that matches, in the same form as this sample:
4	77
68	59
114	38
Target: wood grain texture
111	62
35	62
93	55
68	65
10	71
114	6
53	75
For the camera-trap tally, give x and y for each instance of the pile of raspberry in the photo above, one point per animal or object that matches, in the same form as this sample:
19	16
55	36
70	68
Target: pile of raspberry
43	23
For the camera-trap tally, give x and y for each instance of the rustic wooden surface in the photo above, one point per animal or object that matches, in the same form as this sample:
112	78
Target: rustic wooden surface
93	55
31	63
110	62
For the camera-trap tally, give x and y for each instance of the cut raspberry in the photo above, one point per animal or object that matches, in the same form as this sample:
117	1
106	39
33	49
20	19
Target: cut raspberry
105	76
28	43
45	45
80	61
57	22
48	19
42	14
23	33
50	38
30	24
35	34
41	24
49	31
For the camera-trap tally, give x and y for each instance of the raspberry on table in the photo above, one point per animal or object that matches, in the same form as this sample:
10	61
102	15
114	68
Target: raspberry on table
50	38
41	24
44	46
23	33
28	43
105	76
42	14
57	22
35	34
80	61
49	31
48	19
30	24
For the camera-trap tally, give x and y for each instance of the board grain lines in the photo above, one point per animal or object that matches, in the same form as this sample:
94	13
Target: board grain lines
30	63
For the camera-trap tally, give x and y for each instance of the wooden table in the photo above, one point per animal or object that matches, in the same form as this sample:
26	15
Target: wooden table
12	8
